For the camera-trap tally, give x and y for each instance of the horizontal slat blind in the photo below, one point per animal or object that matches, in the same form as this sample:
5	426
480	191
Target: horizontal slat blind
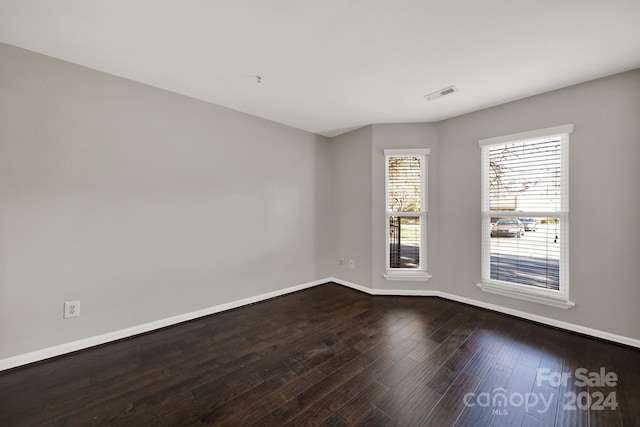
525	212
406	209
525	176
404	184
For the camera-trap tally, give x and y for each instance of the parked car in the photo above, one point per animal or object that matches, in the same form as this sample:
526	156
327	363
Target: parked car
508	228
529	224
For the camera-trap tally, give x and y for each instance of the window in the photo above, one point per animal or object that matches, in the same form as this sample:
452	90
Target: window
525	216
406	214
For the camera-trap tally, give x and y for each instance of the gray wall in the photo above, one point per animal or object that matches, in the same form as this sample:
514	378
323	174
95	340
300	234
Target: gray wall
351	162
143	204
358	201
604	198
604	207
411	135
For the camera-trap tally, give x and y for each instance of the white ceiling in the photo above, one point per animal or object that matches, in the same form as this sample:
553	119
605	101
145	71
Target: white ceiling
328	66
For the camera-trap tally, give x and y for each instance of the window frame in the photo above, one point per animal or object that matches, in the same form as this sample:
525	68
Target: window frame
420	273
556	298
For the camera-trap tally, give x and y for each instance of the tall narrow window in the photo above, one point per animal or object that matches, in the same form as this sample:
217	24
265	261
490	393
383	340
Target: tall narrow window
525	215
406	214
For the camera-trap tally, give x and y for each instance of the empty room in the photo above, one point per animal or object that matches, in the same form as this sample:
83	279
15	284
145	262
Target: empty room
335	213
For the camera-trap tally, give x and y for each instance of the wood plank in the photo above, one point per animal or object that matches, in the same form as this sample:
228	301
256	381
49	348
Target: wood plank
449	408
363	402
328	356
332	402
312	395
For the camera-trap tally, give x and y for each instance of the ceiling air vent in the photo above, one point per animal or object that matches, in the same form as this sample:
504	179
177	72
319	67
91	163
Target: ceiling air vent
441	92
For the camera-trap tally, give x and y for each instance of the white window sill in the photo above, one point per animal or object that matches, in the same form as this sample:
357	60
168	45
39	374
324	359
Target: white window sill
528	295
420	276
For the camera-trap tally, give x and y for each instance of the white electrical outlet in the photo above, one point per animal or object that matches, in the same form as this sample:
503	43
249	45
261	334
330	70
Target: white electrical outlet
352	264
71	309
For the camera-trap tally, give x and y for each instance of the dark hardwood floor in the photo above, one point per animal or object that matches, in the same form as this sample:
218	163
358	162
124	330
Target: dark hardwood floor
333	356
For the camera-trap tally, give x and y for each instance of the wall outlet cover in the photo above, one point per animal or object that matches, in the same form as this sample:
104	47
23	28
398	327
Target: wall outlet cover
71	309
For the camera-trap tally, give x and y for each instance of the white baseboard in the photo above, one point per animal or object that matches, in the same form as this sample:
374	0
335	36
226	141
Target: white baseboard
351	285
620	339
596	333
389	292
58	350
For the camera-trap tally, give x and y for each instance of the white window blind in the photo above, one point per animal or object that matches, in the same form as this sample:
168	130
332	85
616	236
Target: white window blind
404	184
406	210
525	213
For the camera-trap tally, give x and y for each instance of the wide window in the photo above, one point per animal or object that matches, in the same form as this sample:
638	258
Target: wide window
406	214
525	215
